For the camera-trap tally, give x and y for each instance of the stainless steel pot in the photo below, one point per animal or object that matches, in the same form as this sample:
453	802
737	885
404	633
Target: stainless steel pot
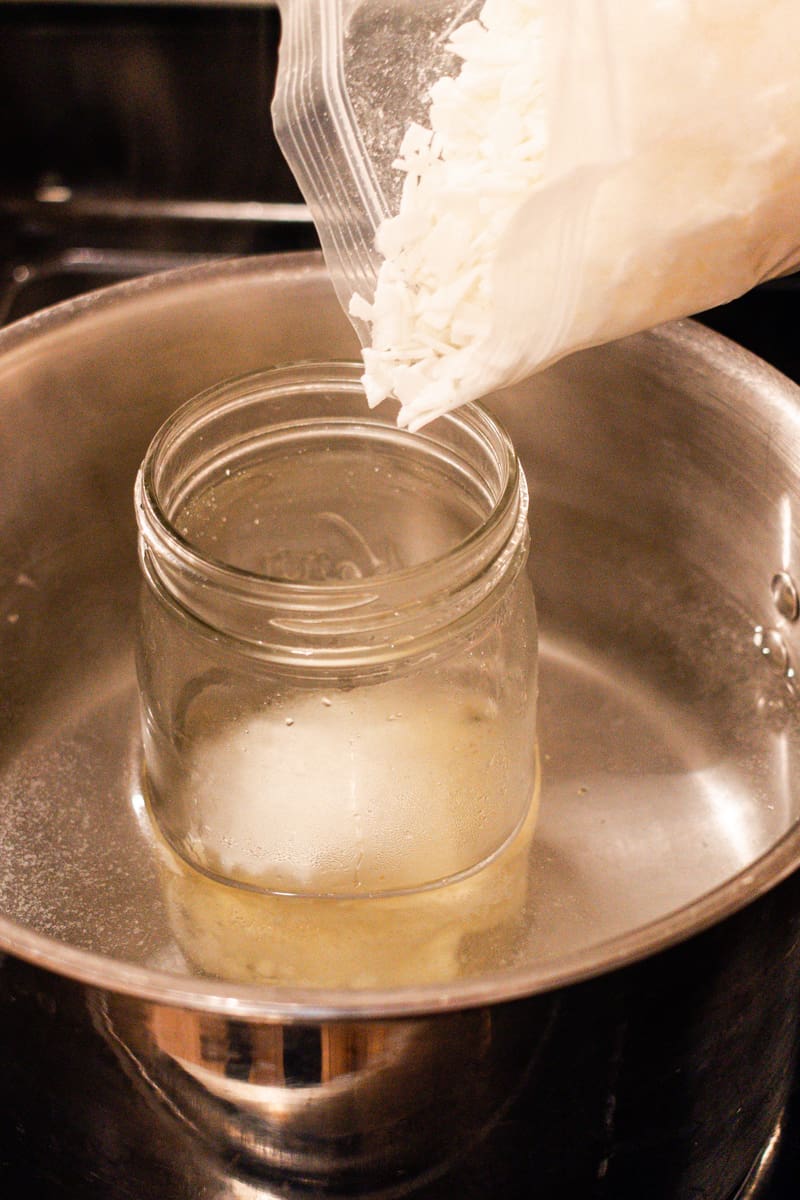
634	1016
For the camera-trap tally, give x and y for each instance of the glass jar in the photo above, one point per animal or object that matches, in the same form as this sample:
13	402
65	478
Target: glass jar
337	646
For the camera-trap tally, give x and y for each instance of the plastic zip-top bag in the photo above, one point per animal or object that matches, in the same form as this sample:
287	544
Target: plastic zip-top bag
497	184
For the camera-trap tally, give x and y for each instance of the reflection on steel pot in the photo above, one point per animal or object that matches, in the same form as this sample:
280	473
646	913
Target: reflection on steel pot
634	1018
337	1104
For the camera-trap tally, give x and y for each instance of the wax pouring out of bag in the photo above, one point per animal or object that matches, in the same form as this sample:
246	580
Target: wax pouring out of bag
547	174
465	175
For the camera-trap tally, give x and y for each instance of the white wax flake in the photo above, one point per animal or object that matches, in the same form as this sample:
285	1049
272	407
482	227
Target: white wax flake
466	177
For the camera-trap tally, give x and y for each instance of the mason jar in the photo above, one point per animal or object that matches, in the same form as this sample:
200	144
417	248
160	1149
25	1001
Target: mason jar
337	654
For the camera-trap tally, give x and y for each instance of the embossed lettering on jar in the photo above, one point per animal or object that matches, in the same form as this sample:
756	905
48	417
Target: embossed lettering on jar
337	649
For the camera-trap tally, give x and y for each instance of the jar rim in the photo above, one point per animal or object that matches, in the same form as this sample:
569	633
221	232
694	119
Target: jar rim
301	373
494	538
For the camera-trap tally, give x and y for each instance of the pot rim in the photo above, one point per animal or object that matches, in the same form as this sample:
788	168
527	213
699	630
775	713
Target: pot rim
252	1001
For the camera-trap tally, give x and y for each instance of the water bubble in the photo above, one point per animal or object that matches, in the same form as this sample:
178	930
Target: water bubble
773	648
785	595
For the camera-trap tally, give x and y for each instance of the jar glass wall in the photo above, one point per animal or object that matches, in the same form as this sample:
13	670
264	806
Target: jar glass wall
337	649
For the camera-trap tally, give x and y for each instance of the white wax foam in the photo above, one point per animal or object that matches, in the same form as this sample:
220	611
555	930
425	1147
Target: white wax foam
436	936
379	788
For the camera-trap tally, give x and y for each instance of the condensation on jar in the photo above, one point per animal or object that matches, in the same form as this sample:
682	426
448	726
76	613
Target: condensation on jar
337	654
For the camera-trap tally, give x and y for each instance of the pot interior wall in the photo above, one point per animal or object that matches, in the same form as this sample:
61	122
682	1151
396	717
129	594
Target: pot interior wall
664	480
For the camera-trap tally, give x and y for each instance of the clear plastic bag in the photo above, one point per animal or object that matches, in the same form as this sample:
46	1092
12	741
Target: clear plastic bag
667	179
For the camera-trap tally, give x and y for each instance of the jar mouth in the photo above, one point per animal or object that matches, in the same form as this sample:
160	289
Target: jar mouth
311	419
